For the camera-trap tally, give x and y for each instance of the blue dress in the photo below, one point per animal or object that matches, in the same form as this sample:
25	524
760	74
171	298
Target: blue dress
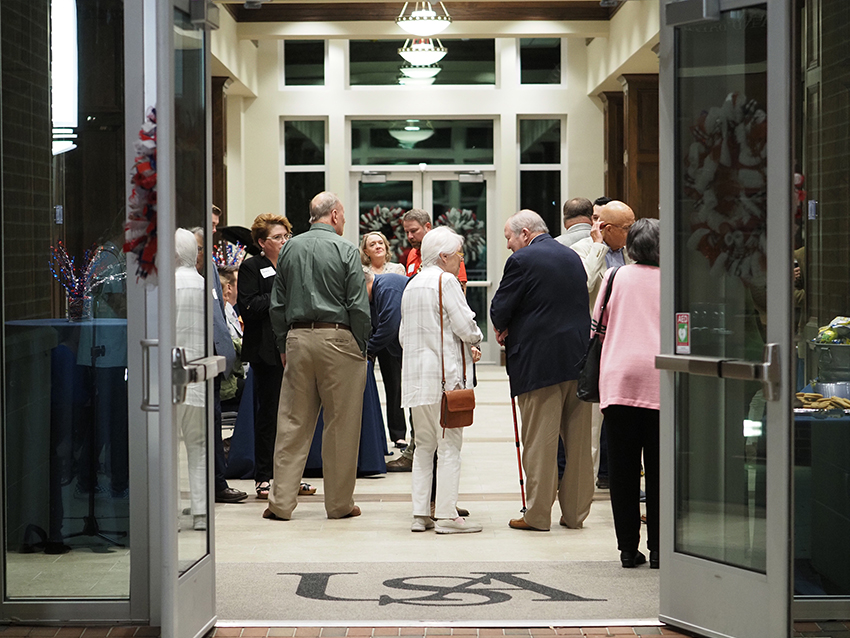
373	436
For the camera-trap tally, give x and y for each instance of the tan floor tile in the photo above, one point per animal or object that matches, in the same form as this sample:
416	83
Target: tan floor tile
281	632
438	631
386	631
255	631
122	632
412	631
226	631
148	631
359	631
96	632
308	632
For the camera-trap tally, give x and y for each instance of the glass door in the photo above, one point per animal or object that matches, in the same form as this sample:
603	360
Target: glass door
180	311
726	300
455	199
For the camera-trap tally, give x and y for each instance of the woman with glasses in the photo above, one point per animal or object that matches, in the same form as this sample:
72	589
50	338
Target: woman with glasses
375	255
256	276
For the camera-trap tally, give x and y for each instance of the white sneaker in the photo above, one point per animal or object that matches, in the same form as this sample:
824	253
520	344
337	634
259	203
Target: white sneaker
199	522
421	523
456	526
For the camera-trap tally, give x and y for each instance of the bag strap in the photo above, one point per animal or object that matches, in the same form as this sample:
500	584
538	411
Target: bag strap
597	325
442	346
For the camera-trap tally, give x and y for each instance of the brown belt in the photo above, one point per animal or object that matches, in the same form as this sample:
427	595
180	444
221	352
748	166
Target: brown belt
310	325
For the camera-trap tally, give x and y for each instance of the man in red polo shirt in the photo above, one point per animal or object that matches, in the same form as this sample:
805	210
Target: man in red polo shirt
416	223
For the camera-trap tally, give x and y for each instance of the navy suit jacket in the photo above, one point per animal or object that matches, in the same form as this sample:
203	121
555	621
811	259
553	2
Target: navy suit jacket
542	301
386	313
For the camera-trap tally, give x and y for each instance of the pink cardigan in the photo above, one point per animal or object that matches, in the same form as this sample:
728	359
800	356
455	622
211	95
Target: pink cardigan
627	373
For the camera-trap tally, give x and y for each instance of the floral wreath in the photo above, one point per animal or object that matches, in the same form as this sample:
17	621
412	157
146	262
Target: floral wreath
725	175
466	224
140	232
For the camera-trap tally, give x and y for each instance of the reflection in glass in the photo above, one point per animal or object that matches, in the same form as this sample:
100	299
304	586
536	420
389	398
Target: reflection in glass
304	143
541	192
191	212
300	188
381	208
377	62
540	141
822	438
64	409
453	142
304	62
540	60
720	267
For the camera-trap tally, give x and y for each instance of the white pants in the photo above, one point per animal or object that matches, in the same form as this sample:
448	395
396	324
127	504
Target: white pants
596	434
429	437
192	422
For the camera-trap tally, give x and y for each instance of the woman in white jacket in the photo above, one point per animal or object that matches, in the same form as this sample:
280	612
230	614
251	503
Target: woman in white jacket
424	350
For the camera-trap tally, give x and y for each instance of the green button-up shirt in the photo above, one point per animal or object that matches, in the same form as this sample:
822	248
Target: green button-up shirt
319	278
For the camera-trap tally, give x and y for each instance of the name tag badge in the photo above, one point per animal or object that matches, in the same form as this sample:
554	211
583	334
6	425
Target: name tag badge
215	294
267	272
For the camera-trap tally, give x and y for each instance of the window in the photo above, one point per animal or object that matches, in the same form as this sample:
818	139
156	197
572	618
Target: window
378	63
304	62
304	169
540	60
405	142
540	169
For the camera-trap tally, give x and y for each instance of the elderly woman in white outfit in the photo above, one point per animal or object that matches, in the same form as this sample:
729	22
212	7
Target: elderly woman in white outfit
424	347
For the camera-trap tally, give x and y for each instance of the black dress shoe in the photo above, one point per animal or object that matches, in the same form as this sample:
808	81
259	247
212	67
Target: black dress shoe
632	559
230	495
654	559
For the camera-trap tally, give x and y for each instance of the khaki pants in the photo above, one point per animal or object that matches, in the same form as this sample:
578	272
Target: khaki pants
547	413
324	369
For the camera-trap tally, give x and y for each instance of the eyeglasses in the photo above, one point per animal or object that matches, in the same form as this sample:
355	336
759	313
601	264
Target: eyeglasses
459	254
285	237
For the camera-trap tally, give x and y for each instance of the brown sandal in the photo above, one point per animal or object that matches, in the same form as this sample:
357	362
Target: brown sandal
263	488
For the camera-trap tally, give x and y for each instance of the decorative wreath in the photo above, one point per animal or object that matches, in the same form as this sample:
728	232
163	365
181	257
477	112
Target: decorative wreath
725	175
466	224
140	232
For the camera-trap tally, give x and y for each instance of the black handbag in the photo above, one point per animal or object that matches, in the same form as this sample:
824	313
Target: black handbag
587	388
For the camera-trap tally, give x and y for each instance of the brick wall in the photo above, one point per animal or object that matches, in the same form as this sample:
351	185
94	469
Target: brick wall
26	158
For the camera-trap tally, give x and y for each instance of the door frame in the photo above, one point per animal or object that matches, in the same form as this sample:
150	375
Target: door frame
697	594
422	178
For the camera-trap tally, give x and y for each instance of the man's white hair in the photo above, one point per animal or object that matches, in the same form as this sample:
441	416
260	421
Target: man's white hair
185	247
527	219
439	241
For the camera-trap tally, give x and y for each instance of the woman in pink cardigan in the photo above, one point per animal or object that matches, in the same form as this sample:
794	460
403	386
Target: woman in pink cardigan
629	390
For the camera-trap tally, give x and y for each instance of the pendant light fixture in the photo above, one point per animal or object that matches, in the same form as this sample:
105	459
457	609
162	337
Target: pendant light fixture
410	71
423	20
422	52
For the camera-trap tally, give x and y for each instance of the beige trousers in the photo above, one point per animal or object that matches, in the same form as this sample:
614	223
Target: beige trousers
547	413
324	369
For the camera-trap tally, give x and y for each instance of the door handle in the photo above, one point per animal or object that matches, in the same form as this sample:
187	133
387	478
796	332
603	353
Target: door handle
767	371
184	372
147	344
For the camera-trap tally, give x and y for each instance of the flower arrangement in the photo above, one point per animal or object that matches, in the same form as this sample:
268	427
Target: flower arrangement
140	229
466	224
725	173
227	254
79	283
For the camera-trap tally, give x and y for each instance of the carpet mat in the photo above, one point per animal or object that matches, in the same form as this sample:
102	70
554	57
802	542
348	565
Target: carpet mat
437	592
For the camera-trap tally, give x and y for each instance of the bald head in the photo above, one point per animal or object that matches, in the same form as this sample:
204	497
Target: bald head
616	218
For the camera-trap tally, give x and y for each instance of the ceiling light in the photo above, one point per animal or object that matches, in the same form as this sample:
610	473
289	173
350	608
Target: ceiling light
411	132
406	81
410	71
422	51
608	3
254	4
423	20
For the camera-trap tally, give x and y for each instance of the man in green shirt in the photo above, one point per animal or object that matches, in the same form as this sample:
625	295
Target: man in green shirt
320	316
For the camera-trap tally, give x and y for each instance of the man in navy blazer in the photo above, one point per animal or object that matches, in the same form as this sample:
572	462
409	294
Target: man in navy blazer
539	314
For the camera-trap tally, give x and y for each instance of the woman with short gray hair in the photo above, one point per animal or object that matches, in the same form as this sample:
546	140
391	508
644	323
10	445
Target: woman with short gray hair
629	389
430	340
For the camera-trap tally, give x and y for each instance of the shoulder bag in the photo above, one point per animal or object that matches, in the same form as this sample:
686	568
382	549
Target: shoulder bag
587	388
457	406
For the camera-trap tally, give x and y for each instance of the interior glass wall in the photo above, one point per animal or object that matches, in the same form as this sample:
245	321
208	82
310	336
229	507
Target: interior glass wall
64	322
406	142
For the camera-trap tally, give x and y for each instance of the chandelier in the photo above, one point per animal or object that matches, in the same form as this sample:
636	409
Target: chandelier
411	71
410	132
423	20
422	52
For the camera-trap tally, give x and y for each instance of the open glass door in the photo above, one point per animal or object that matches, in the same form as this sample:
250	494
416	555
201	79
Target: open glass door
726	317
183	300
